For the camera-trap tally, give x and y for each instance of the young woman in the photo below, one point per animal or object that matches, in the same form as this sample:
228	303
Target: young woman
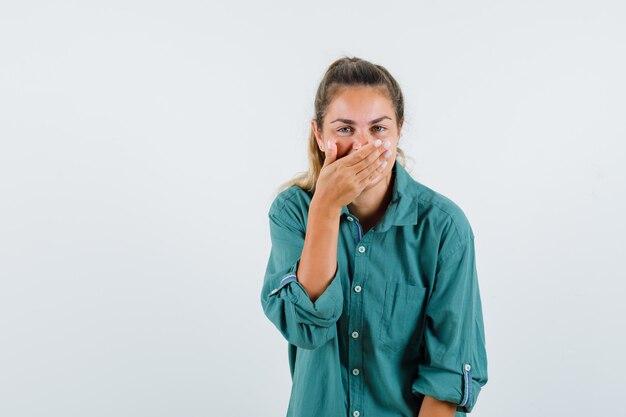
372	276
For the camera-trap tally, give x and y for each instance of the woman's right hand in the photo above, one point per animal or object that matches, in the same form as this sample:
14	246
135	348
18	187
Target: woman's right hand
341	180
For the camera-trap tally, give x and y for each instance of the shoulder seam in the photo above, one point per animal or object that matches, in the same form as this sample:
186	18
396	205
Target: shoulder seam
279	213
449	215
460	243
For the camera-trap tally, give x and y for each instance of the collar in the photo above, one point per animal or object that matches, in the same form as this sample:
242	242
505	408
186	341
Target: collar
403	207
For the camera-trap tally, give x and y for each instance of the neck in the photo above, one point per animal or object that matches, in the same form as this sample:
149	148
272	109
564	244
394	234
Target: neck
371	204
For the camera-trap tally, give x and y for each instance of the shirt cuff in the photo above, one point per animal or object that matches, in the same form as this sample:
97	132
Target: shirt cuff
324	311
445	385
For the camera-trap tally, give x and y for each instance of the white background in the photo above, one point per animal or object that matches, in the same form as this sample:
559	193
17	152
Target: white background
141	144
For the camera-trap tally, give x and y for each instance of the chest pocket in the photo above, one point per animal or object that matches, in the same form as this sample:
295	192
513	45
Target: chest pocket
403	313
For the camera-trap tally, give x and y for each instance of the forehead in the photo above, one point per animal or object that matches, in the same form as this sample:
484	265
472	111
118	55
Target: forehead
357	102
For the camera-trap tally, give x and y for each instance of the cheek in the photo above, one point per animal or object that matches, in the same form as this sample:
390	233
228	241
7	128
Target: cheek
343	150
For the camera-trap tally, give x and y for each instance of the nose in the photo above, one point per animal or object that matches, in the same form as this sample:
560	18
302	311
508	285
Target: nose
361	139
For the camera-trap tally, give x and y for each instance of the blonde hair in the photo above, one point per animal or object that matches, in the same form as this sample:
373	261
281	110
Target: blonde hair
346	71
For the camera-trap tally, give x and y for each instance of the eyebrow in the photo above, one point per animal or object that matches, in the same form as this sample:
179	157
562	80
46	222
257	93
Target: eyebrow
351	122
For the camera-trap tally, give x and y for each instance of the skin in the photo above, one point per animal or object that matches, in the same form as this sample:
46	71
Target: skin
432	407
340	181
362	105
352	176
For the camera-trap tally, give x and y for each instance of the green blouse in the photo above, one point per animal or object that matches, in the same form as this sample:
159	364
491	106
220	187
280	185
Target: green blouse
401	318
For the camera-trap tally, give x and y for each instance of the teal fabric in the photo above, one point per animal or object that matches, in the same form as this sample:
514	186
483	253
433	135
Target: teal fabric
402	317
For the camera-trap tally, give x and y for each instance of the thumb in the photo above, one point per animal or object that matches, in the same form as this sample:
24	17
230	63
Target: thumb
330	153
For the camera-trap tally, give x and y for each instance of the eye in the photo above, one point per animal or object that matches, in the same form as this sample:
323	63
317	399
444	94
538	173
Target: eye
382	128
343	131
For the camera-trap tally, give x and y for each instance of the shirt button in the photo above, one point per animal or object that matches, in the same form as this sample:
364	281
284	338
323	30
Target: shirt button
355	371
355	334
467	367
357	288
349	218
361	249
356	413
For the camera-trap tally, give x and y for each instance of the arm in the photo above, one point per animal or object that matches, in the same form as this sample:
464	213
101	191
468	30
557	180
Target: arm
432	407
305	316
453	363
318	264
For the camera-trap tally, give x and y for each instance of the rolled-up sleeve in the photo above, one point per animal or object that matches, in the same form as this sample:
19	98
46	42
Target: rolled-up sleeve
285	302
453	363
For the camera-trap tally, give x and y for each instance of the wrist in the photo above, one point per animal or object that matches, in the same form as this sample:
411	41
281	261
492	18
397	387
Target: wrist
323	207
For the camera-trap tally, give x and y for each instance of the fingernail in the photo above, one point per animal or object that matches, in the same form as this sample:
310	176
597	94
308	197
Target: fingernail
328	144
387	154
383	164
387	144
377	143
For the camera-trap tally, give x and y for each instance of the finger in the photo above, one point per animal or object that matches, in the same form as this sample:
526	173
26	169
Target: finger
379	164
330	152
374	156
376	167
372	179
374	174
358	155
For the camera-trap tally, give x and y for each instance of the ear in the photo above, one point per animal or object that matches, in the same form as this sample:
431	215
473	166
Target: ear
318	136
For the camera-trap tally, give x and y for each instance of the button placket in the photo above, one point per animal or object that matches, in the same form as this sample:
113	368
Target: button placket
358	230
361	262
